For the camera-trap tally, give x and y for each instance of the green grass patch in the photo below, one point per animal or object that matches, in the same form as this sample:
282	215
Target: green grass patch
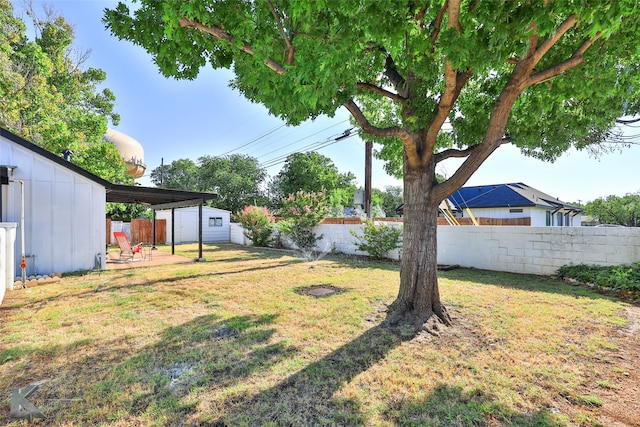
238	340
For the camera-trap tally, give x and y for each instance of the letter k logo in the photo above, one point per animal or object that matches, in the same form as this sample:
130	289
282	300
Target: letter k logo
21	407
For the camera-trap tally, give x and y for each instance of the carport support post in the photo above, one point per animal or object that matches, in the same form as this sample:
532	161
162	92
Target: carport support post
173	231
200	233
153	231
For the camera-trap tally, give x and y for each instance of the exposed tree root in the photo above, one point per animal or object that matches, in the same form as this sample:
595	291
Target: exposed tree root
402	316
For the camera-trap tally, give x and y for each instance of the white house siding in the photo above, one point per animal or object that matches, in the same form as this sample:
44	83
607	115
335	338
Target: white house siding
64	213
186	229
538	215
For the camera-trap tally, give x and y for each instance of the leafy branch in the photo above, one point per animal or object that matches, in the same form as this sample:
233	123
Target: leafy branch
223	35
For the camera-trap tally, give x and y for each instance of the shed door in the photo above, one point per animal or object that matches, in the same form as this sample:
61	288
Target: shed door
189	226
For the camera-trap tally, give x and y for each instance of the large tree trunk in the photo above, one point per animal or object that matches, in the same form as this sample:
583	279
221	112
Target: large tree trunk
419	299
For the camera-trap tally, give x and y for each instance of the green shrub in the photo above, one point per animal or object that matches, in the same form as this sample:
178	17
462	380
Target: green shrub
581	272
377	239
301	212
620	278
623	278
258	224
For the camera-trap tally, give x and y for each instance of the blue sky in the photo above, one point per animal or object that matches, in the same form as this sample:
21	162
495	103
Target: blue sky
175	119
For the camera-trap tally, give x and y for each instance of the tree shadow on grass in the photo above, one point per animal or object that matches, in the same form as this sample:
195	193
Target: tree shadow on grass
202	354
309	396
306	398
525	282
111	381
455	407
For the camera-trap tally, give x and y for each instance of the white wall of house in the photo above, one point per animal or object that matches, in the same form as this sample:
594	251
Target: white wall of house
64	213
527	250
215	224
538	215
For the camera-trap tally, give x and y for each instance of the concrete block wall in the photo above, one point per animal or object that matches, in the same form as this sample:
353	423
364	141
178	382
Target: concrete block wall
335	238
338	238
527	250
236	234
537	250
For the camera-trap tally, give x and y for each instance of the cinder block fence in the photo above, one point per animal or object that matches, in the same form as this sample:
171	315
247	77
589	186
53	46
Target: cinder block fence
528	250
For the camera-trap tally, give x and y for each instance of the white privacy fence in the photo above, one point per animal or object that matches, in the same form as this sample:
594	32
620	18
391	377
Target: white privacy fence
529	250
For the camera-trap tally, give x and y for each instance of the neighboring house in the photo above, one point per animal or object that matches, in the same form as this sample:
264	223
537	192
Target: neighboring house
516	200
215	224
64	209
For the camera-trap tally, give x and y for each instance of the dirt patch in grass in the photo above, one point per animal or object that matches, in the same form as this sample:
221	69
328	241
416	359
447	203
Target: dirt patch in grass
620	394
238	340
319	291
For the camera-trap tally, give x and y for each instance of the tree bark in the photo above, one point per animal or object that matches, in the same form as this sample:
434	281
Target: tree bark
418	303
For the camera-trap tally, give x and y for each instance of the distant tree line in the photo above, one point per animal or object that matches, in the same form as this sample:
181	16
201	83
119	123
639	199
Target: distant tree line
616	210
241	181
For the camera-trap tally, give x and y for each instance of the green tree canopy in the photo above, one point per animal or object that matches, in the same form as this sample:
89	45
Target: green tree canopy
391	198
623	210
238	177
181	174
430	81
313	172
47	98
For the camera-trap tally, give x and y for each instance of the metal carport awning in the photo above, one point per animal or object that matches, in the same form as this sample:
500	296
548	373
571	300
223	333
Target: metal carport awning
161	198
150	196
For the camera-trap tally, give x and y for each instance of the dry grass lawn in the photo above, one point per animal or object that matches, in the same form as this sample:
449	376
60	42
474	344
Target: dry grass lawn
238	341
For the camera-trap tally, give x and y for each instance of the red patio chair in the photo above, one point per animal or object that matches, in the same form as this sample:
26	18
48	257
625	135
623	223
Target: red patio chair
127	251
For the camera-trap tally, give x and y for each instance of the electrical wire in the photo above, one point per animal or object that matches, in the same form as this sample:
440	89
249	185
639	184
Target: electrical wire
253	140
301	139
271	132
311	147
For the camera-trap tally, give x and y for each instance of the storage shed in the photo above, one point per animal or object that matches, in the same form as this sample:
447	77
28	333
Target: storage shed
64	209
60	210
215	225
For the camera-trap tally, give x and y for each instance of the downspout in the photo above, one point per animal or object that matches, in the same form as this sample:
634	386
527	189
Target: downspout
23	259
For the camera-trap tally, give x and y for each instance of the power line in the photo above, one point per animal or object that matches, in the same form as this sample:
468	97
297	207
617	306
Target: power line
301	139
270	132
311	147
253	140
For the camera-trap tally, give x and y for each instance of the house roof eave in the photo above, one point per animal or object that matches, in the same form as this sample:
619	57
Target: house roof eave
117	193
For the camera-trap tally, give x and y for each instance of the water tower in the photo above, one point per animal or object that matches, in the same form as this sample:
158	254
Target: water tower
131	151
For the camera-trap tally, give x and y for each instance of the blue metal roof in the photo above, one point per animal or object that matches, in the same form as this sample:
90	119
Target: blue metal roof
514	195
488	196
505	195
